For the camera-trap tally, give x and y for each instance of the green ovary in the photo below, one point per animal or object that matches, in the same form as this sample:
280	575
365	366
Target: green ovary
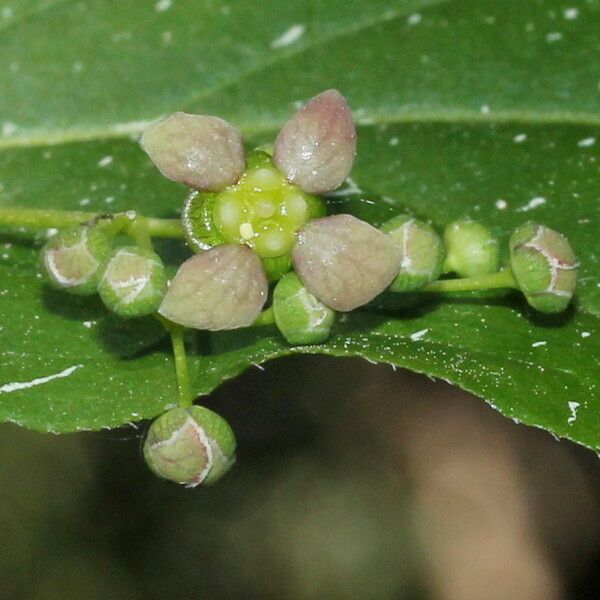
263	211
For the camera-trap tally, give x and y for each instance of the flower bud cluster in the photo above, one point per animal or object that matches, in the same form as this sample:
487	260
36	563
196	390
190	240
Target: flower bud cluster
131	281
261	220
258	219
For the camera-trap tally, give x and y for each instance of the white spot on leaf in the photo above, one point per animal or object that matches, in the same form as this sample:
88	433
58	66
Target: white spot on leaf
586	142
23	385
533	203
289	37
163	5
8	129
417	335
573	406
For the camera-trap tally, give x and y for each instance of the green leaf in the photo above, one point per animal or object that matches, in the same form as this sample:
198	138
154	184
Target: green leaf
466	108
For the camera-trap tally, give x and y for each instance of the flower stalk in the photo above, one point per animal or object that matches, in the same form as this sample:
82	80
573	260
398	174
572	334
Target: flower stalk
177	333
501	279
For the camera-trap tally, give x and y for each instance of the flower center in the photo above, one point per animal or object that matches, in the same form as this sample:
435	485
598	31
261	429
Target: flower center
263	210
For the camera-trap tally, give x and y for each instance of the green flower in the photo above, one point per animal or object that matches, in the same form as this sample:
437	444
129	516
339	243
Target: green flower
268	206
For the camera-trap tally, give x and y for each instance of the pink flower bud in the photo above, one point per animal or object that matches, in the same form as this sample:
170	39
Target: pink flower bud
222	288
344	261
316	147
203	152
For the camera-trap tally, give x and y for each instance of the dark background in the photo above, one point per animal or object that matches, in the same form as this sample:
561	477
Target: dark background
352	481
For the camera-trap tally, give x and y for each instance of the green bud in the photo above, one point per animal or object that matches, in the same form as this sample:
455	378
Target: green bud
422	252
276	267
134	282
190	446
471	250
301	318
73	258
544	266
259	159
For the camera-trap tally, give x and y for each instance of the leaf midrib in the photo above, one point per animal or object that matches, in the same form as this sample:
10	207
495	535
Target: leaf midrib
453	116
42	138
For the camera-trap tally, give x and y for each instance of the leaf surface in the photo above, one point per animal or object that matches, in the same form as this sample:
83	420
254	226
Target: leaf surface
466	108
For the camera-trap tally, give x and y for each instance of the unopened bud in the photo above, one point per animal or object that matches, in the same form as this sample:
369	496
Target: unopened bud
471	249
190	446
73	258
134	282
422	252
544	266
301	318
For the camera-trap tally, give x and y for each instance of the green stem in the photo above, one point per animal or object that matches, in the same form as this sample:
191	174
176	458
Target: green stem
177	333
44	219
501	279
164	228
138	231
181	366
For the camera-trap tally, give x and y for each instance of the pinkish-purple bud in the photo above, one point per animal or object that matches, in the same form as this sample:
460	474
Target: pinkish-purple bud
316	147
222	288
203	152
344	261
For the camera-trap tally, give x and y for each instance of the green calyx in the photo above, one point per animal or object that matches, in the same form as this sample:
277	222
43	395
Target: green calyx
471	249
134	282
190	446
421	250
262	210
276	267
197	221
73	258
544	266
301	318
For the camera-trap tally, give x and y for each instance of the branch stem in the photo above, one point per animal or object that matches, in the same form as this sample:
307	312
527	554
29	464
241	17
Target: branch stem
44	219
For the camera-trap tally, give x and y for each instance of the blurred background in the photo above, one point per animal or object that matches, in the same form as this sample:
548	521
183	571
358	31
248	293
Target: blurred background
352	481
